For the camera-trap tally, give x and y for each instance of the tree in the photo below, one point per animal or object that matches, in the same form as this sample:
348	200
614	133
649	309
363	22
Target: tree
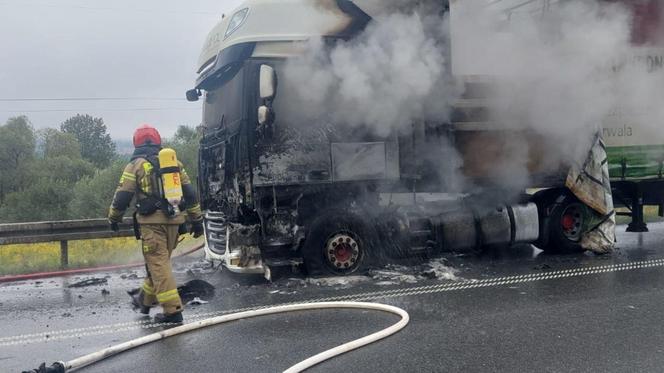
65	169
17	147
55	143
17	142
186	134
96	144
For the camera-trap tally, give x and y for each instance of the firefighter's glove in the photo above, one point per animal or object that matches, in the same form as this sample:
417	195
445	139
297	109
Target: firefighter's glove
115	226
197	229
115	218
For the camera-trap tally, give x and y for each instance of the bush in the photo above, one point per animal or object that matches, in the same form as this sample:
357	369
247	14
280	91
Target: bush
94	194
44	200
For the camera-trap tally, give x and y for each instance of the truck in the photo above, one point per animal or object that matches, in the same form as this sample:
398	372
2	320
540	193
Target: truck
279	190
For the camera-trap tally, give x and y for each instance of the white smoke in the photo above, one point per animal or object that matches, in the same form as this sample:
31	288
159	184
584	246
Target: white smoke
562	68
391	75
557	64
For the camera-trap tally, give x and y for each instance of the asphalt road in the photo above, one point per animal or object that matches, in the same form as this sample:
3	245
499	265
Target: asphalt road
514	310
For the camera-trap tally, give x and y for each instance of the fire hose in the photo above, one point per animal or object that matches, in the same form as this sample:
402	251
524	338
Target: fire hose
68	366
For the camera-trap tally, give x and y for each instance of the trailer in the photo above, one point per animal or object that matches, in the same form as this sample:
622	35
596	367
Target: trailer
631	133
279	190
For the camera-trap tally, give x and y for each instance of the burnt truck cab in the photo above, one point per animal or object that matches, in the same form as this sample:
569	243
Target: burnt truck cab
263	172
283	186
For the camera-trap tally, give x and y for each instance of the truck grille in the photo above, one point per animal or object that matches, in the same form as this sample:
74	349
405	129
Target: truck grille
215	224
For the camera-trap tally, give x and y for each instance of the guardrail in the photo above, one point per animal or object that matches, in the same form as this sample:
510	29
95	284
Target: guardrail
63	231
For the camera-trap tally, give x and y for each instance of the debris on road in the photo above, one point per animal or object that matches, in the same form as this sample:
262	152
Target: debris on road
196	289
435	269
201	267
197	302
89	282
337	281
190	291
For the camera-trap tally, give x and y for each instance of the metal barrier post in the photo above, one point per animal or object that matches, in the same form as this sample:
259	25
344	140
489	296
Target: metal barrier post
64	254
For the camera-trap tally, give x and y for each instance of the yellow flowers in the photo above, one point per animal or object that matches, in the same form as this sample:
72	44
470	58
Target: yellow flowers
28	258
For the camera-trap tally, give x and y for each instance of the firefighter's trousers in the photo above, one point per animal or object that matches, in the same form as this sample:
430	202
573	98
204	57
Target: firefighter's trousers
159	241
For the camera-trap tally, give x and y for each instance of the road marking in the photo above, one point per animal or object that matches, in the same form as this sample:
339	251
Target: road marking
391	293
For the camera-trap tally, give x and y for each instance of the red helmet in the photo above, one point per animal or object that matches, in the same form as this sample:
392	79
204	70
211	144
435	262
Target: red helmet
146	135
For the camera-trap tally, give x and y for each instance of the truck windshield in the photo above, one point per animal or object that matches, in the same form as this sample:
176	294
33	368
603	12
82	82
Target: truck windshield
223	105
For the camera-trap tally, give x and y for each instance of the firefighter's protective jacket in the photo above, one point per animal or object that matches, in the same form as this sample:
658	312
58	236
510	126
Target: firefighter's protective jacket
140	179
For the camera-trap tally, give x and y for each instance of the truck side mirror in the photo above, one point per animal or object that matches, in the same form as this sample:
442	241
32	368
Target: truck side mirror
265	116
193	95
267	82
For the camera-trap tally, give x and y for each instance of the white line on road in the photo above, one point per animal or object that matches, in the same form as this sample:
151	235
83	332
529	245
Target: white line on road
23	339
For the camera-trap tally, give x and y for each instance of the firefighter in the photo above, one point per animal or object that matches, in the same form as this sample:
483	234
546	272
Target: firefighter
156	222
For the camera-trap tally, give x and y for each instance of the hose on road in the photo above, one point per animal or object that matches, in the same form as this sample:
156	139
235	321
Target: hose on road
63	367
69	272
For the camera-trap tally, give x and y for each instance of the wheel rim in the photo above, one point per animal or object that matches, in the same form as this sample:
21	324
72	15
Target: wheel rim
571	222
343	253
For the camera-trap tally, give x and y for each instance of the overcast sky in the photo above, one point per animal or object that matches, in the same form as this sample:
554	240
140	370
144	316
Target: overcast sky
104	49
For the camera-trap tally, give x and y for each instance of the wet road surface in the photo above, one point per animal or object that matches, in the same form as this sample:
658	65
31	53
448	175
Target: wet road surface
513	310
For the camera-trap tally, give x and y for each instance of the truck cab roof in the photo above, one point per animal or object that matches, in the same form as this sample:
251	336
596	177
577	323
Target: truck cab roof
275	25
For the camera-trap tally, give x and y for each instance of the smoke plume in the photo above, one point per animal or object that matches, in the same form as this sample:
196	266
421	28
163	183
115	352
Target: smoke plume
564	70
394	73
561	69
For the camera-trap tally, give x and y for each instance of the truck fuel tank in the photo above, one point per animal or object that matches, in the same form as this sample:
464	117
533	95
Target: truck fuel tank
471	227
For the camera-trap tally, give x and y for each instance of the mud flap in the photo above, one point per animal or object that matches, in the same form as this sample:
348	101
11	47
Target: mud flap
590	183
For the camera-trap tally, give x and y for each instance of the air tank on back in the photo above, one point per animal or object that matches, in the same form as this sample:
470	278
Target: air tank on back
170	176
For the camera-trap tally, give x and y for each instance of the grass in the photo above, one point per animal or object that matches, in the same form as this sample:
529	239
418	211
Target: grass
30	258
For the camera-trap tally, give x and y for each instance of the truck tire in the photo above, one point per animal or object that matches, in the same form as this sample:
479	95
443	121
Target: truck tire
563	220
339	243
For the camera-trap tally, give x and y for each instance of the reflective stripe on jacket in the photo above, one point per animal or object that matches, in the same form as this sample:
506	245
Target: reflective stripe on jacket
140	180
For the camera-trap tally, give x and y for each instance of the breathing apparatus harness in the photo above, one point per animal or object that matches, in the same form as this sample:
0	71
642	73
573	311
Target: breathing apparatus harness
155	199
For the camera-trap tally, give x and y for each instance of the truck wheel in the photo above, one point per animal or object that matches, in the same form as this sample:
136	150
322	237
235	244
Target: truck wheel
339	243
564	222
